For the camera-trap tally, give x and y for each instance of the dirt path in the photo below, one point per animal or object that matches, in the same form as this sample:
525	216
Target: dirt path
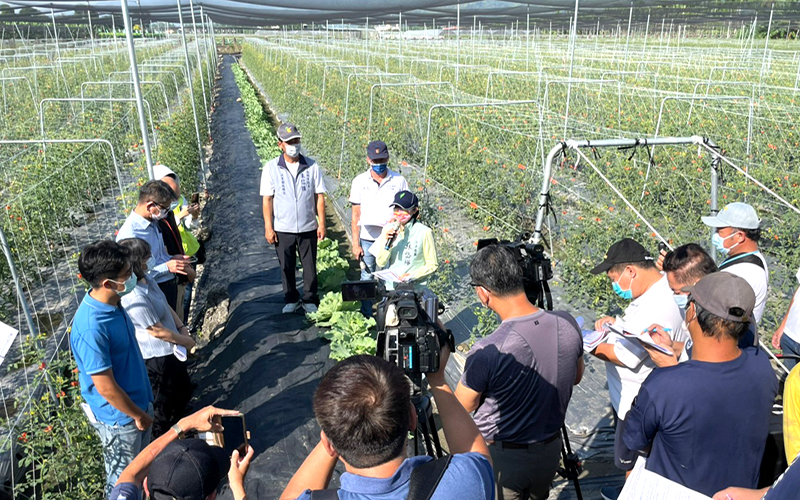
263	363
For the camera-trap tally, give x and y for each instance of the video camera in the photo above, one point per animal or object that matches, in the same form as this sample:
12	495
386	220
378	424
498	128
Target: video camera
408	332
536	268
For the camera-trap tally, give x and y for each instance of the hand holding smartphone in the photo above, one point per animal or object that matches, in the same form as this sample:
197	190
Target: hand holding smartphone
234	435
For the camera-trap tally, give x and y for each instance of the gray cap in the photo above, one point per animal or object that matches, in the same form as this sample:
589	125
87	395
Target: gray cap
721	293
738	215
287	132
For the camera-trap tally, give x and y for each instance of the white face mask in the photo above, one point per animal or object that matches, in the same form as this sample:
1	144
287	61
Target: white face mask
293	150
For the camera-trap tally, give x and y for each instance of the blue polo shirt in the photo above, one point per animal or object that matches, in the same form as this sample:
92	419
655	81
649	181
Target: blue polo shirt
103	337
468	477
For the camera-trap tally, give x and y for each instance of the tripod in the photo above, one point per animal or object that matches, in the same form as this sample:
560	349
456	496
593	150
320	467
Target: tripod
426	427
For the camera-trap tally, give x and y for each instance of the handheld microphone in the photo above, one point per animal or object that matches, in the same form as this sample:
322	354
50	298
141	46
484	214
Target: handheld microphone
389	241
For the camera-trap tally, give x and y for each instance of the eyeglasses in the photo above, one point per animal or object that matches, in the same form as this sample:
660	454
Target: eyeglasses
473	284
159	205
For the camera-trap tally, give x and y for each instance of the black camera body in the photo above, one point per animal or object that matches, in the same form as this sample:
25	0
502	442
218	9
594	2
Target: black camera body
408	333
537	269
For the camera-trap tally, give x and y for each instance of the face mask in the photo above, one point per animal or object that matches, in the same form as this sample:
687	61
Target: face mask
402	217
719	243
681	301
623	294
129	284
379	169
292	150
161	213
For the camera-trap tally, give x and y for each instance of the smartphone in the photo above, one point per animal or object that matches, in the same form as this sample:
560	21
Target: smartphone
662	247
195	198
234	436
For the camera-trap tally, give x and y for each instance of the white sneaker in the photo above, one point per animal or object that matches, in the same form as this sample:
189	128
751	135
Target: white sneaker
290	308
308	307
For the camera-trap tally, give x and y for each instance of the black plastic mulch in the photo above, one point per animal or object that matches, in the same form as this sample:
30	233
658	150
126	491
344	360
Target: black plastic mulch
265	363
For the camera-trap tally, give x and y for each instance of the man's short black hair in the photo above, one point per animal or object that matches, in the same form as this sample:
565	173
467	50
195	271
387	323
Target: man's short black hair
102	260
642	264
363	406
688	263
158	192
752	234
714	326
496	268
138	250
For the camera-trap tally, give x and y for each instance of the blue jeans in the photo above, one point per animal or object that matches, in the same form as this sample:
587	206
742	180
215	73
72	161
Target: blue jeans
789	346
369	260
187	302
121	444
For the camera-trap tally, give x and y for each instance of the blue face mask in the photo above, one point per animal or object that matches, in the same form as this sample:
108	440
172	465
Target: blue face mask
380	168
129	284
681	301
719	243
623	294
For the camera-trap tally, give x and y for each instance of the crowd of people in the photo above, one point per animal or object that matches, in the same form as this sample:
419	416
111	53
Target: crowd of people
691	390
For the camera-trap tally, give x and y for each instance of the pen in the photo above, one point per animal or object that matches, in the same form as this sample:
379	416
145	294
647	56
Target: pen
650	330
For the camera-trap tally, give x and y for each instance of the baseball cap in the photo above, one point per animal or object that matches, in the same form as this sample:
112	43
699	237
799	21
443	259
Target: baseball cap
160	171
377	150
622	252
722	294
737	214
405	200
188	469
288	131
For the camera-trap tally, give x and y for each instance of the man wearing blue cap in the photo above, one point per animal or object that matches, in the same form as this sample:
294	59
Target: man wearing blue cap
736	238
371	196
294	216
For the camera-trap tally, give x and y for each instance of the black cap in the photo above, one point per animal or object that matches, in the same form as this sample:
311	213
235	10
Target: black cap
188	469
622	252
405	200
377	150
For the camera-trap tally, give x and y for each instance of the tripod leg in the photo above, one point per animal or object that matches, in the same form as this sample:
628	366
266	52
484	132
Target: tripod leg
435	436
422	427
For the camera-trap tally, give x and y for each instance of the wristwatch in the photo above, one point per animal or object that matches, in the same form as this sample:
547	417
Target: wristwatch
178	430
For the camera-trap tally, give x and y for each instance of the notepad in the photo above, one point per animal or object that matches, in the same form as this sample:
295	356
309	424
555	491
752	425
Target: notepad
644	484
643	337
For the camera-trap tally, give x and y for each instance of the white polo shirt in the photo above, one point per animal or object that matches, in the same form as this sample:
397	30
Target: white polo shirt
655	306
375	199
757	277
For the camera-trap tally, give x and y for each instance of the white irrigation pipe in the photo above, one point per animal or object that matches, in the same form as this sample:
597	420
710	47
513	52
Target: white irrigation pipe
465	105
347	108
109	83
418	84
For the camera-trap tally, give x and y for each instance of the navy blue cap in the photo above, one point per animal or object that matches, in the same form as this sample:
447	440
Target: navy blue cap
377	150
188	469
405	200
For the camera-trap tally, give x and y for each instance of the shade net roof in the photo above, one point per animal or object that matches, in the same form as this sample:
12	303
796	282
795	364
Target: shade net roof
264	13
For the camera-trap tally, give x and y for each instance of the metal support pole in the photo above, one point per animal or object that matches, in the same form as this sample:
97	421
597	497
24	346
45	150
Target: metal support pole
91	29
200	69
137	89
458	38
23	301
191	92
766	46
571	62
628	37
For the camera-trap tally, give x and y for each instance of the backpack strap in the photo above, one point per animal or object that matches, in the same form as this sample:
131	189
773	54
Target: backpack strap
325	495
426	477
747	259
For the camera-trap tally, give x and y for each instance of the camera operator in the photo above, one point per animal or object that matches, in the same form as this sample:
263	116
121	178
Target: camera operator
405	245
523	373
364	408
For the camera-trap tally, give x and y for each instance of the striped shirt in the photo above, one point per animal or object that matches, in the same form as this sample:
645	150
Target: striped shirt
147	305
